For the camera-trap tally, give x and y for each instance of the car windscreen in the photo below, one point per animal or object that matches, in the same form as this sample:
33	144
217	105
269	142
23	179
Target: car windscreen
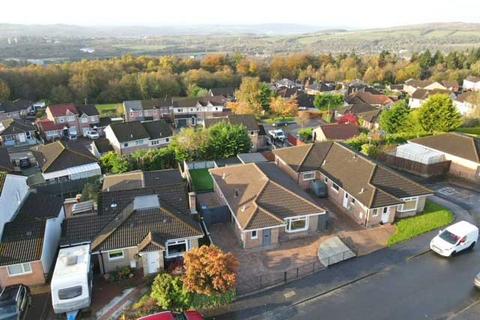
449	237
8	311
69	293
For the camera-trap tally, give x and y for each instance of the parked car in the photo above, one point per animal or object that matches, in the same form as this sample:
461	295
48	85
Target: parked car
14	302
169	315
92	134
476	281
455	238
277	134
280	124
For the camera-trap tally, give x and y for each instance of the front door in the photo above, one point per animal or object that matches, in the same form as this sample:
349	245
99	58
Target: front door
385	215
153	261
267	237
345	200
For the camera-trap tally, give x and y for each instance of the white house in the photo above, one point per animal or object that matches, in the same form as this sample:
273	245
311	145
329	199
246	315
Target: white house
471	83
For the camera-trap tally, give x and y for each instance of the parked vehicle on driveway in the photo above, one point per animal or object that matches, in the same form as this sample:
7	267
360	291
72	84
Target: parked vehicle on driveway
169	315
277	134
455	238
92	134
14	302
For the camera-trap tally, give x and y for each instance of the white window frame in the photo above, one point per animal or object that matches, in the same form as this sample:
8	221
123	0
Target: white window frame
289	223
116	258
375	212
325	180
400	207
308	175
24	270
175	242
254	234
335	187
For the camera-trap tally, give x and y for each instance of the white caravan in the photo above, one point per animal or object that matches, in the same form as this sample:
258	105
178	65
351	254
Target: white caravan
71	284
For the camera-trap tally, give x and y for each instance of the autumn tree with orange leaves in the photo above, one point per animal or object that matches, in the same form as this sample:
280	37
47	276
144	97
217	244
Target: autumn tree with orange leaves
210	271
284	107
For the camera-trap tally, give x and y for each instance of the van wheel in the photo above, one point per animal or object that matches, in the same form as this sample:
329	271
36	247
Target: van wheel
472	245
453	253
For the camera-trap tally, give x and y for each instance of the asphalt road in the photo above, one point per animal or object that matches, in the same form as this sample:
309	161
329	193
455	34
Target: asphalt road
426	287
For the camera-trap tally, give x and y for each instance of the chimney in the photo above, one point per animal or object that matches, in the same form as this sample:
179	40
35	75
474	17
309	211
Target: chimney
192	202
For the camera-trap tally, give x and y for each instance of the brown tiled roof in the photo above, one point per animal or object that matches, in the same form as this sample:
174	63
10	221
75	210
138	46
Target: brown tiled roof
473	79
457	144
261	195
248	121
21	242
422	94
119	225
357	108
370	116
60	155
470	97
340	132
5	161
60	110
14	126
368	182
418	83
369	98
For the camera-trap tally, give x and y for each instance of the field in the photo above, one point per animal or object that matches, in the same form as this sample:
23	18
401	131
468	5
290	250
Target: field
201	180
110	110
434	217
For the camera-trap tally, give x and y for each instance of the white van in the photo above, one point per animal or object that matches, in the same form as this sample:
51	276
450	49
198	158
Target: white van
455	238
71	284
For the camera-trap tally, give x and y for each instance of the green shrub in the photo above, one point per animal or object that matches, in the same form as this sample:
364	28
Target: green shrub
370	150
169	294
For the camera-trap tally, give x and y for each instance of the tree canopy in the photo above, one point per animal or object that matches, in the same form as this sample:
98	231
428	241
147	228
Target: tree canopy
438	114
328	101
394	120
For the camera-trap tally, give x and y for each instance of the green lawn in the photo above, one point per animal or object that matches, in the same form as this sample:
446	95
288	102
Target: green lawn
472	130
201	180
434	217
279	119
110	109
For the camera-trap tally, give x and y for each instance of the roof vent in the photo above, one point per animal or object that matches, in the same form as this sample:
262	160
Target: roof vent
165	220
362	190
243	208
224	175
324	162
29	233
113	205
236	193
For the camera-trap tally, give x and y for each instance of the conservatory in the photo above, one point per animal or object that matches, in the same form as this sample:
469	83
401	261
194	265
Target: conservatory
418	153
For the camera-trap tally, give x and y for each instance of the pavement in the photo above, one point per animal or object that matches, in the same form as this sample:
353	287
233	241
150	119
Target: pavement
407	281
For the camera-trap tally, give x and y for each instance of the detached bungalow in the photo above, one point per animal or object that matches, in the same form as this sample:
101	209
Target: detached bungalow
379	100
462	150
129	137
143	222
471	83
61	161
29	242
14	109
266	205
370	193
16	132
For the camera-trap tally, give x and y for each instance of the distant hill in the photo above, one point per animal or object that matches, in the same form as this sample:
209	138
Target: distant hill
63	42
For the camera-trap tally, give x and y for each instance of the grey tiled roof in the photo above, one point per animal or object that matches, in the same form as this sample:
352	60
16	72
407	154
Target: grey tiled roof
457	144
60	155
21	242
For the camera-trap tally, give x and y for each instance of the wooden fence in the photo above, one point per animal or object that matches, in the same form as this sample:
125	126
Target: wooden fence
418	168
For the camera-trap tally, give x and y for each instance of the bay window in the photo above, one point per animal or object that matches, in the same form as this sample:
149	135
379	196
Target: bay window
296	224
176	248
409	204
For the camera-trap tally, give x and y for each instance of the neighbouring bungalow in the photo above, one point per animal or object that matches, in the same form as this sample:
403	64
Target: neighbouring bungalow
467	103
14	109
30	241
129	137
335	132
421	95
17	132
462	150
226	92
257	135
378	100
266	206
367	115
144	221
61	161
370	193
471	83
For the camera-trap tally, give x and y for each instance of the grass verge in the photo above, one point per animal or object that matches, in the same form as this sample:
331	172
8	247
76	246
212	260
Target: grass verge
472	130
110	110
201	180
435	216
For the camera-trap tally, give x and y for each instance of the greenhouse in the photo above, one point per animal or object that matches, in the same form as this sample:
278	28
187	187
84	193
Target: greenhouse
418	153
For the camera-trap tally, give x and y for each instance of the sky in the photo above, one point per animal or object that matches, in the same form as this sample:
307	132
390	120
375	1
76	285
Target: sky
351	14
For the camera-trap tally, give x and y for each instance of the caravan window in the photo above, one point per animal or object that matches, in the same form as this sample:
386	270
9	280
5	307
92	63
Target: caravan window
70	293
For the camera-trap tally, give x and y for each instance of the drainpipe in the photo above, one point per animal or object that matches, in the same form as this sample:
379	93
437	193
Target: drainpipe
102	262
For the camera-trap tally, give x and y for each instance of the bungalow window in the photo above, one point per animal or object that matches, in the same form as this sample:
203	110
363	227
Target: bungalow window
336	187
167	139
254	234
297	224
19	269
308	175
138	142
352	200
115	255
409	204
176	248
325	180
375	212
155	142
